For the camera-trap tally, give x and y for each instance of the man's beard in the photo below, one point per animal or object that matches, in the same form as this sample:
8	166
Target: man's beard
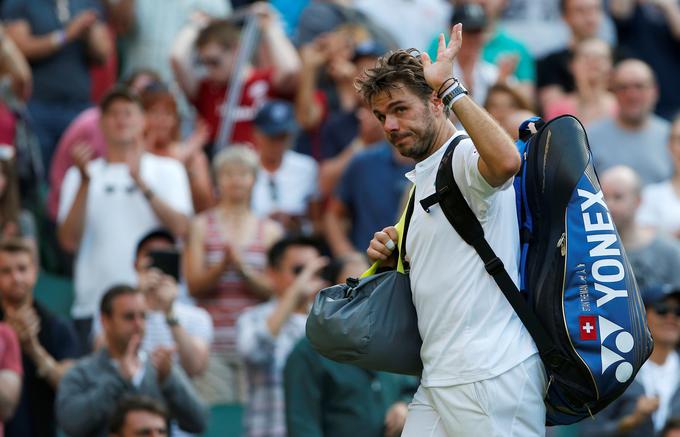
422	144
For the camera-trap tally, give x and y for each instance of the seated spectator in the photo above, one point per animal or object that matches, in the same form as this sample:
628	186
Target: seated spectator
59	43
591	67
48	344
216	45
650	31
268	331
500	48
169	322
138	416
369	196
162	138
635	137
643	409
326	398
85	129
554	76
109	203
91	390
10	374
225	260
654	257
14	221
503	101
286	187
660	206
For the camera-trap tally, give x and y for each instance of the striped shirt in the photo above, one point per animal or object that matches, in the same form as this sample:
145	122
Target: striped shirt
233	293
265	357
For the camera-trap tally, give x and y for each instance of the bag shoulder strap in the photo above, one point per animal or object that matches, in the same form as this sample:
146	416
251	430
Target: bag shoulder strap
463	219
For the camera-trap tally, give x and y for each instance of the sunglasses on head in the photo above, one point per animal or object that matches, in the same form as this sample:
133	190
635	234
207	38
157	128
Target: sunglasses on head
663	308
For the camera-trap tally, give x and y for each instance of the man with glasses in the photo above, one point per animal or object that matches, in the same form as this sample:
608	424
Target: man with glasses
653	398
268	332
216	46
635	137
48	343
107	204
89	392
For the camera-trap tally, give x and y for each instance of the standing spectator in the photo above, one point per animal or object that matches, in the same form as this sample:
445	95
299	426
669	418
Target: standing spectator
591	67
162	138
650	31
48	344
654	257
654	396
224	265
326	398
286	189
109	203
10	374
138	416
635	137
554	76
368	197
216	45
90	391
269	331
58	40
660	206
85	129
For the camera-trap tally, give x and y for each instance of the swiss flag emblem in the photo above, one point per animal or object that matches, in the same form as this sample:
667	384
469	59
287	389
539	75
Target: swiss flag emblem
588	327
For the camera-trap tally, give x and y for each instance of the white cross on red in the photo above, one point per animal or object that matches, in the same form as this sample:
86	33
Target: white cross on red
588	327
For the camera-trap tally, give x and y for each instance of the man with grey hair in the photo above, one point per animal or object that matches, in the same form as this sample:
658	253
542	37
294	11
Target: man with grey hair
653	256
635	137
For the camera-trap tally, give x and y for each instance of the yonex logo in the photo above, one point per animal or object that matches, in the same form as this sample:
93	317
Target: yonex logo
624	343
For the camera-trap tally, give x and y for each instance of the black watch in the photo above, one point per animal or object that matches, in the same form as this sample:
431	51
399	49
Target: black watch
454	91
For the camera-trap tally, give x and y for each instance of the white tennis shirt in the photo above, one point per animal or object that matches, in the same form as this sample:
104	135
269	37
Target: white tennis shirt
470	332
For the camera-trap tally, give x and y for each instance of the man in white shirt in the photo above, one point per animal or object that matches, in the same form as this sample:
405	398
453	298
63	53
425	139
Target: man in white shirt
287	184
109	203
482	374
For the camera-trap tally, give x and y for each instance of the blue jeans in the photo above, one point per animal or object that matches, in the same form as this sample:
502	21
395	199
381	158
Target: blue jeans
49	120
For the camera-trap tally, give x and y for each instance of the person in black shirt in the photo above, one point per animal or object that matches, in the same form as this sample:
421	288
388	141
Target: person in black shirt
48	344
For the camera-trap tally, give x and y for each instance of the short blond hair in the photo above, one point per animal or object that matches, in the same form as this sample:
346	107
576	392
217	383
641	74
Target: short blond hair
236	154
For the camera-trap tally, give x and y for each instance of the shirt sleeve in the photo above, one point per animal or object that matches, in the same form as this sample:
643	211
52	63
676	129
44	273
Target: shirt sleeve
201	325
175	188
475	189
254	342
69	189
647	214
10	353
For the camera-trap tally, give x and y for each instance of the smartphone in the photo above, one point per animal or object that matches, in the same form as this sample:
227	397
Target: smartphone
167	261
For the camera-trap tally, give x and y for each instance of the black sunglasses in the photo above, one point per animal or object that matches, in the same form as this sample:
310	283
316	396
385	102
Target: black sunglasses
662	308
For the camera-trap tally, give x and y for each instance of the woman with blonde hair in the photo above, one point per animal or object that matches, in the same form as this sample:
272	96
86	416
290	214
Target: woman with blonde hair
225	259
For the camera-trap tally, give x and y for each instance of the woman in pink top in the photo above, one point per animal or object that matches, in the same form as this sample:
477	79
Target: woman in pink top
225	259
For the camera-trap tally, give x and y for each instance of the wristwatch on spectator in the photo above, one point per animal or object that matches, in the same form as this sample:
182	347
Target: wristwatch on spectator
171	319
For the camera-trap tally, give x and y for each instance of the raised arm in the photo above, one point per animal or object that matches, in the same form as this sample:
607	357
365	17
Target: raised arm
499	159
72	222
281	52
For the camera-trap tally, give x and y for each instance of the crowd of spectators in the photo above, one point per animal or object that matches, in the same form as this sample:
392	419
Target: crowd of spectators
198	170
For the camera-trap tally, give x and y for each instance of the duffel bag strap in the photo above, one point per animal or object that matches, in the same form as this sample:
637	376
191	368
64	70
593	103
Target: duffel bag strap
465	222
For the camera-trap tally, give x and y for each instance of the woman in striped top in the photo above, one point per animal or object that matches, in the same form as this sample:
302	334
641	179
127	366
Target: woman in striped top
224	267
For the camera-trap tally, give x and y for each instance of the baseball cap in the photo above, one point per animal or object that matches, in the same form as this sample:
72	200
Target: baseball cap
659	292
471	16
276	117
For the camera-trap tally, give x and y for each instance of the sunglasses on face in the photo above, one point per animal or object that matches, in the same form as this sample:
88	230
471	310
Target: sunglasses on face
211	62
663	308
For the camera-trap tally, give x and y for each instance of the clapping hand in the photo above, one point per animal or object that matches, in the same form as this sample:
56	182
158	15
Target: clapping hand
161	358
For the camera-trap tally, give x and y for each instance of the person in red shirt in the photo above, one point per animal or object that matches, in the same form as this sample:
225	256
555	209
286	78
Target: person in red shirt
10	374
216	47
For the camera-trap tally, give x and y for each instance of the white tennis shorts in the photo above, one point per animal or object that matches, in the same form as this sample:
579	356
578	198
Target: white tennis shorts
508	405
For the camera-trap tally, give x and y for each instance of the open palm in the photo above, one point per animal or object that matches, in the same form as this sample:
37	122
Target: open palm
437	72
